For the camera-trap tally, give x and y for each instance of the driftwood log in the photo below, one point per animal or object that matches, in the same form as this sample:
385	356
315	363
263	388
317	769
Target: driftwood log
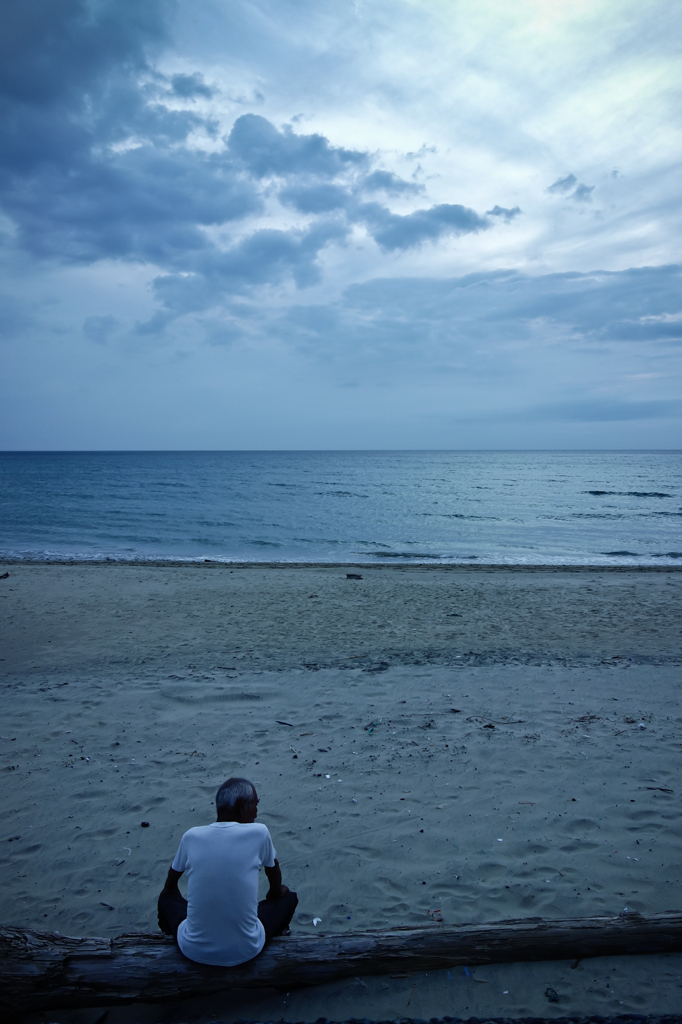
46	970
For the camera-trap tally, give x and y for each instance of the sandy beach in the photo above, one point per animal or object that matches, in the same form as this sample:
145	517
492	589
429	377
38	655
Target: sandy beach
468	743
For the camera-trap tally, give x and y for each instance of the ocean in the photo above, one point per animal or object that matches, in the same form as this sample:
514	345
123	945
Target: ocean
514	508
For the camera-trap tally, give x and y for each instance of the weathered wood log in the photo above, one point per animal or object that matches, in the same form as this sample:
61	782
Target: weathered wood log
46	970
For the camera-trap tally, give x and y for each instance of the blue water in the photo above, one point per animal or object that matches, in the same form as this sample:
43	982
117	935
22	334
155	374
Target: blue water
621	508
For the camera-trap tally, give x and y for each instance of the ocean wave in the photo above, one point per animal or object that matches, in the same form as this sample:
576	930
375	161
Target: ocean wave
632	494
340	494
595	515
596	560
459	515
509	508
402	554
317	540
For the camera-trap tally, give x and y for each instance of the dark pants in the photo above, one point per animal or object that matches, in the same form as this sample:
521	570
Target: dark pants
275	915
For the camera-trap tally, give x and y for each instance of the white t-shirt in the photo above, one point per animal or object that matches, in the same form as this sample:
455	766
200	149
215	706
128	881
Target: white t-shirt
222	861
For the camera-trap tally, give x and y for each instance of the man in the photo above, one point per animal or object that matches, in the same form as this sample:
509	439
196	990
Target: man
221	922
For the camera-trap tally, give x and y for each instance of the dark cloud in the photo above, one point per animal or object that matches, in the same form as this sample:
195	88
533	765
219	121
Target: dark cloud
264	257
155	325
502	211
146	204
191	86
57	50
583	193
394	231
422	151
316	198
437	319
95	165
92	164
266	151
59	63
562	185
386	181
391	231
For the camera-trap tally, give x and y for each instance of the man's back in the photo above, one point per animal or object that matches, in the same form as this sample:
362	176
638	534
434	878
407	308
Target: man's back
222	862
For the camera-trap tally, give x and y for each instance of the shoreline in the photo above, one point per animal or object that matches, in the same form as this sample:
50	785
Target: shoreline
161	563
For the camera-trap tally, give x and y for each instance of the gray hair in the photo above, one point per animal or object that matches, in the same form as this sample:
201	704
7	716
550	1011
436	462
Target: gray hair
235	791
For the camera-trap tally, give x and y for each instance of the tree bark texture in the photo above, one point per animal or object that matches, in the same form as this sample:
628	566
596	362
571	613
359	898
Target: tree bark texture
46	970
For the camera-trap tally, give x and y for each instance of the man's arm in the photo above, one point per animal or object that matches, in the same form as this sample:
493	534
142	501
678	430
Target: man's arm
171	885
274	876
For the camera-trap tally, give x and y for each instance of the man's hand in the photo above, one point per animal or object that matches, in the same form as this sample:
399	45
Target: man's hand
274	876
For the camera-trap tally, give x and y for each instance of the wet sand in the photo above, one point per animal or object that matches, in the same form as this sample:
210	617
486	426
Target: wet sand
471	744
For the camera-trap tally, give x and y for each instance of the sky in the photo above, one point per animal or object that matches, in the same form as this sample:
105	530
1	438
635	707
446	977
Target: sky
327	224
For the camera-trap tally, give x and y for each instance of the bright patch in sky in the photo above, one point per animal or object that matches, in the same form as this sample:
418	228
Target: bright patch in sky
316	224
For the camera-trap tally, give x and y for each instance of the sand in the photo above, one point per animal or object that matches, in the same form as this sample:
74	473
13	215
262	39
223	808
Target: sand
472	744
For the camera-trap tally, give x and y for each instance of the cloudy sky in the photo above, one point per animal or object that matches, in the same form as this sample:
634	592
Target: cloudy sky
336	224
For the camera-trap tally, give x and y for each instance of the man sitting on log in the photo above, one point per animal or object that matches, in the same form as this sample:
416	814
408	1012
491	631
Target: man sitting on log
221	922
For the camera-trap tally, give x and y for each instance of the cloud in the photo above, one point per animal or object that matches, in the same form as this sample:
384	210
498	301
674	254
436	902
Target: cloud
478	316
264	150
265	257
146	205
92	164
156	324
581	194
190	86
391	231
321	198
502	211
133	195
562	185
386	181
95	165
395	231
62	67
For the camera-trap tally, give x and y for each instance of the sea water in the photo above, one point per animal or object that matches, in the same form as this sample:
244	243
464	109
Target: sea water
540	508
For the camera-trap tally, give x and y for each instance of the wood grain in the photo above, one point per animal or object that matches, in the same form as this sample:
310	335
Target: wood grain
46	970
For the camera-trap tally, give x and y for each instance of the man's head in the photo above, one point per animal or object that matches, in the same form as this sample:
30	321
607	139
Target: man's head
237	800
